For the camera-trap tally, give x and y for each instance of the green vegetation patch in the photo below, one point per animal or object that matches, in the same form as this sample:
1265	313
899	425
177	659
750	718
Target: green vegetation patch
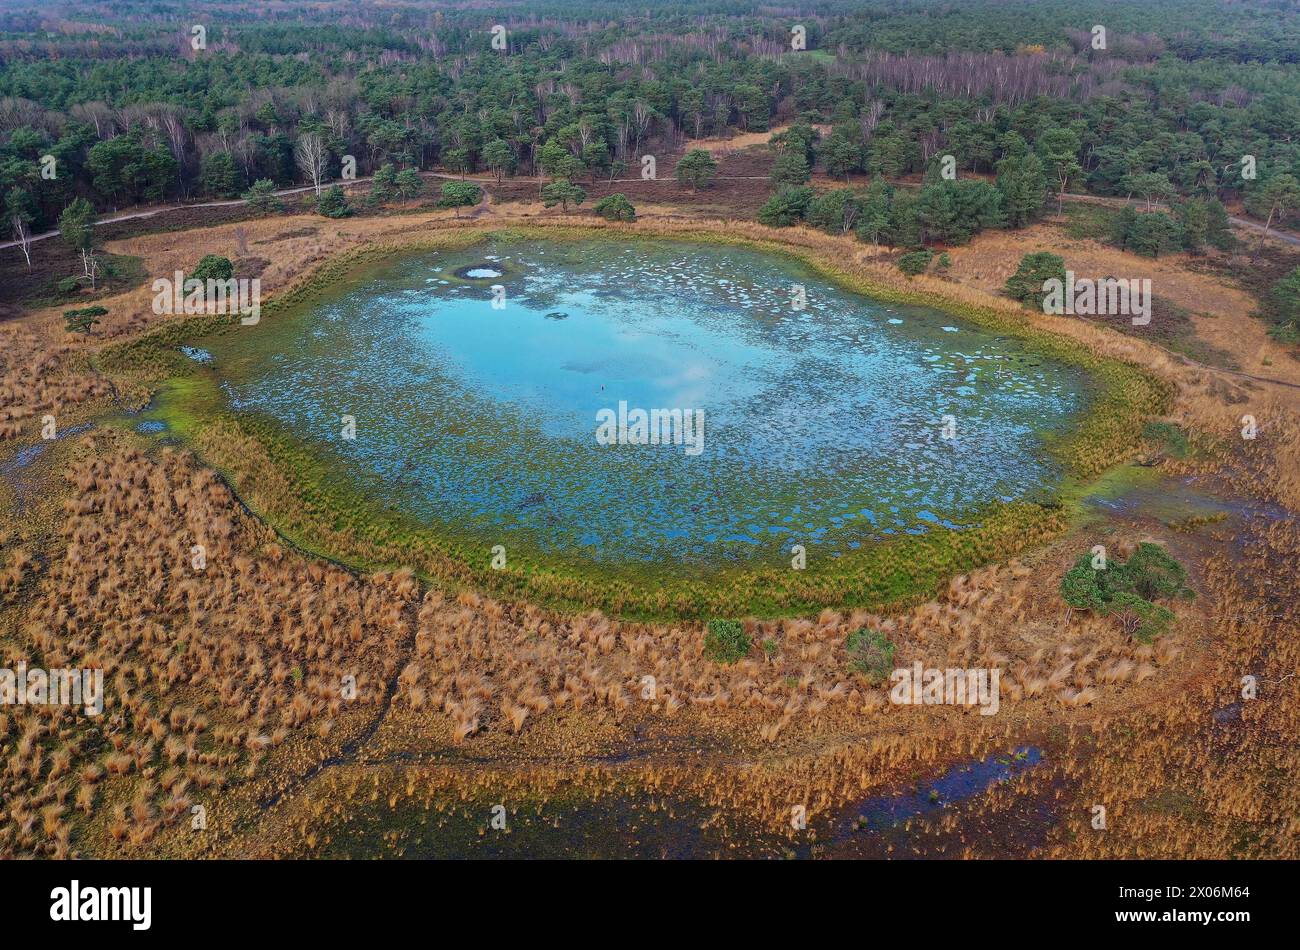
725	641
1128	590
1171	439
871	653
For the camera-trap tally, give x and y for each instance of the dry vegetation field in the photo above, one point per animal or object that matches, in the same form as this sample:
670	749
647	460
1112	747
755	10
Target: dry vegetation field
223	687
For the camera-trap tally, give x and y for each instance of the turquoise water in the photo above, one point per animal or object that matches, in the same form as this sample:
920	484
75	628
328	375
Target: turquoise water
822	426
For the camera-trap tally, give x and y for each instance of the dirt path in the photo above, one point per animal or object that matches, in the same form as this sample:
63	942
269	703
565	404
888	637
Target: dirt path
718	145
233	202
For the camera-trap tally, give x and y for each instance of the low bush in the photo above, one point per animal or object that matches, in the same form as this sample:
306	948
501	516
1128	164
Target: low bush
871	653
915	262
1127	590
725	641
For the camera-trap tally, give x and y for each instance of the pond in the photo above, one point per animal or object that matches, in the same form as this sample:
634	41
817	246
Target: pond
495	395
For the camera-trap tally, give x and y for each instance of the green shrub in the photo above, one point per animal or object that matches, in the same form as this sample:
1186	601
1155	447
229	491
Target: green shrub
871	653
409	184
786	207
1138	617
261	197
1026	284
834	212
213	267
81	321
1154	573
697	168
725	641
1285	333
333	203
383	184
615	207
460	194
1282	304
1127	590
561	192
790	169
1080	588
914	262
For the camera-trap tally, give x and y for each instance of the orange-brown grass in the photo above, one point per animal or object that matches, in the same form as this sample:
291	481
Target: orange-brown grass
224	686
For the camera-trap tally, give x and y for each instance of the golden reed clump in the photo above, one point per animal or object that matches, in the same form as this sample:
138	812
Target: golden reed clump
209	671
207	660
38	378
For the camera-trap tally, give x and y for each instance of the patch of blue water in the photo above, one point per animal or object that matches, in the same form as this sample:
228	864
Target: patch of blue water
26	456
887	811
464	411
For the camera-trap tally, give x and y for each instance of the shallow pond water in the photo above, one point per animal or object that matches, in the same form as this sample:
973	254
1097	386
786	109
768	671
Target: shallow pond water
957	784
636	823
822	425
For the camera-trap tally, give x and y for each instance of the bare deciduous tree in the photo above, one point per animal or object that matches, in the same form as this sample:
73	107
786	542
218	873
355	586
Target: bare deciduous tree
311	155
97	114
22	235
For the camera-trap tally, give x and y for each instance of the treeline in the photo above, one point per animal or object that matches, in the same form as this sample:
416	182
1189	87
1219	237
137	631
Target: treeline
584	89
949	210
944	210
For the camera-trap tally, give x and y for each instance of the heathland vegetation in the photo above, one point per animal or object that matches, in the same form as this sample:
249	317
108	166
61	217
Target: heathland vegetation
309	673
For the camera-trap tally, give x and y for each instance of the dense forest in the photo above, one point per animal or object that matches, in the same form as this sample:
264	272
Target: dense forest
1185	103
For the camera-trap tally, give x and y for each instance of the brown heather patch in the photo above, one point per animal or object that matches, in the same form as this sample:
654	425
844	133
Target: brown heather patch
228	680
463	696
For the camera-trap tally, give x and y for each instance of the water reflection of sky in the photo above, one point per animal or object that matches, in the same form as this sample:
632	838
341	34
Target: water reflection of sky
822	425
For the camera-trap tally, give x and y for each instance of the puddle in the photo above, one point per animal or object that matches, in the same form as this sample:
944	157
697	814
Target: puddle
1178	501
573	827
478	273
13	470
1228	714
884	812
25	457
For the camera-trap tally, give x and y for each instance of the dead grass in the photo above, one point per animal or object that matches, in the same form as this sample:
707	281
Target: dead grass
229	680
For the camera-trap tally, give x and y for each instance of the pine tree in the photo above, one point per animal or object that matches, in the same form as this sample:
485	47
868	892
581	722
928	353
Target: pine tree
1024	187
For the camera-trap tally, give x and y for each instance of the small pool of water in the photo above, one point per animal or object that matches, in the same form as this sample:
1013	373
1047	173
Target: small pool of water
1175	501
481	414
882	812
479	272
26	456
